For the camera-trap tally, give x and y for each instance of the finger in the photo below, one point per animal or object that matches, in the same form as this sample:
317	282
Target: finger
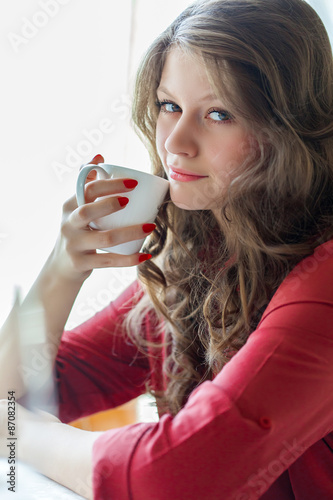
91	176
70	205
83	215
95	161
105	187
86	262
107	239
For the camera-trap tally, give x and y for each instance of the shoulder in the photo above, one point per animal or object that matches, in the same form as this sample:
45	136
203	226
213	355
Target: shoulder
309	282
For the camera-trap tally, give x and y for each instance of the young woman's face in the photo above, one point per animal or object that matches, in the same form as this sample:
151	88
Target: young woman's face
201	145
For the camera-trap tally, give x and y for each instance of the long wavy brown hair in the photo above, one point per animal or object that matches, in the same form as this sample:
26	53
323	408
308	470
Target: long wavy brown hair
208	284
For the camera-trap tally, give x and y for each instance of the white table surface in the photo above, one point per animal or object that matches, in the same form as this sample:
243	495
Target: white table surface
31	485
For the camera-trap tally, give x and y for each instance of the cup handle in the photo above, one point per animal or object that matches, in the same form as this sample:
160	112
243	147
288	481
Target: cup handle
81	180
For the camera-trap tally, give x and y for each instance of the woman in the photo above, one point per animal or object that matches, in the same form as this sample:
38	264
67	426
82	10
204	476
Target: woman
230	321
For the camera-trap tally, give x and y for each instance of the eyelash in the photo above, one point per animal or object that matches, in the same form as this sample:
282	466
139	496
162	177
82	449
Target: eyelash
161	104
161	107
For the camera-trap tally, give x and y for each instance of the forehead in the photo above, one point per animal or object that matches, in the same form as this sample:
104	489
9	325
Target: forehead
185	71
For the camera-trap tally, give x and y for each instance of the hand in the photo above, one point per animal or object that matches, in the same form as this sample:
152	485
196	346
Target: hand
75	253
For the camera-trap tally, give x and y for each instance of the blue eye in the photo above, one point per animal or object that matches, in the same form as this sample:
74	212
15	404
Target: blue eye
168	107
219	116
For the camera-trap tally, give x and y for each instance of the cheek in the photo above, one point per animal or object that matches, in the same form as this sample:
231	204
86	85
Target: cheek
249	147
227	162
237	149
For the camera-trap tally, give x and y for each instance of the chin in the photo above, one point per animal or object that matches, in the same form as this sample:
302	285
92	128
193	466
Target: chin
183	206
190	206
187	200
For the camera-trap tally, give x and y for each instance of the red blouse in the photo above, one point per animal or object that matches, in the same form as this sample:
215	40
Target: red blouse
261	429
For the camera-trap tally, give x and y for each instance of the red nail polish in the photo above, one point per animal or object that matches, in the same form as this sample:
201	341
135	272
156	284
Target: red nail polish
144	256
148	228
130	183
98	158
123	201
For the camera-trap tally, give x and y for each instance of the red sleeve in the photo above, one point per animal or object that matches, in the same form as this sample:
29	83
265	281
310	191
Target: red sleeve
97	365
269	404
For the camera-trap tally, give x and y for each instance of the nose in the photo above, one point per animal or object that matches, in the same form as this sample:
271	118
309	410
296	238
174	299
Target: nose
183	138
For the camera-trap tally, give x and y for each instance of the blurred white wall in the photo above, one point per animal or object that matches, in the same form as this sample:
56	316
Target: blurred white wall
66	70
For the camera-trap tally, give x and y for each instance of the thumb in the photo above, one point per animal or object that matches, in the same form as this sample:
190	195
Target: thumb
95	161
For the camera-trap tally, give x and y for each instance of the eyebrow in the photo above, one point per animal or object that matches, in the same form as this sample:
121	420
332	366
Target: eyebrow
208	97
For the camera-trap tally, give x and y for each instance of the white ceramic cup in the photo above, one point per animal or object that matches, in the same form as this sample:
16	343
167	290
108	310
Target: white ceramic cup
144	201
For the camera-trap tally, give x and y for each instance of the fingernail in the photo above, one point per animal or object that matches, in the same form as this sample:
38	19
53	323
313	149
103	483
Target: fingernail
130	183
148	228
144	256
98	158
123	201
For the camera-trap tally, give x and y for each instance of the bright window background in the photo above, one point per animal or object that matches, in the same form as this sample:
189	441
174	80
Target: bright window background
67	68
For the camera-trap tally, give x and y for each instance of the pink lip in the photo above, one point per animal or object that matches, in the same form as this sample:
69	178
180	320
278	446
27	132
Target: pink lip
181	175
